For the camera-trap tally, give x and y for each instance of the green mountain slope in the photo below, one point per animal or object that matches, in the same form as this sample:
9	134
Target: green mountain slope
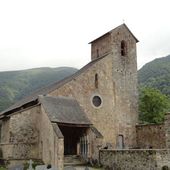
14	85
156	74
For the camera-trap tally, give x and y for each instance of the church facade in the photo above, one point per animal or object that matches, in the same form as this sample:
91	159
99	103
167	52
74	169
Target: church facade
96	107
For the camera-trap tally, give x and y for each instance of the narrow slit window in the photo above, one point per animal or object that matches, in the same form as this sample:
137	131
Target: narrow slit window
123	48
0	133
97	53
96	81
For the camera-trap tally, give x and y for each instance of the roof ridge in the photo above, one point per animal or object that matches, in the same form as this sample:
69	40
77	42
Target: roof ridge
56	97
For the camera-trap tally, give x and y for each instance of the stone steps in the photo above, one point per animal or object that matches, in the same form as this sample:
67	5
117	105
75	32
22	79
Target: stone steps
73	160
81	168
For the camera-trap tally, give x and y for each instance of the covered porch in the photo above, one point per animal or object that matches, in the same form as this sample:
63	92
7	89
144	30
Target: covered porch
76	140
79	137
72	123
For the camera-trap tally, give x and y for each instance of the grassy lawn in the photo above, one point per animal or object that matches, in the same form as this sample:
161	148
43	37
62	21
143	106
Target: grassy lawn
2	168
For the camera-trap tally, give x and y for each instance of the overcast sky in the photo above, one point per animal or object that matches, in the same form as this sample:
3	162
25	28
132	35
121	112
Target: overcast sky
53	33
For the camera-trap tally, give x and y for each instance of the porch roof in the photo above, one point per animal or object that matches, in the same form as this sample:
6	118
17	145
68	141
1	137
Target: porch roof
64	110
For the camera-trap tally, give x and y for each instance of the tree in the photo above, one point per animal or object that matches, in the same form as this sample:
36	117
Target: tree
152	105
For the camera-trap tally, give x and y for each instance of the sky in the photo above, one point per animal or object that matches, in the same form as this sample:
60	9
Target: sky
54	33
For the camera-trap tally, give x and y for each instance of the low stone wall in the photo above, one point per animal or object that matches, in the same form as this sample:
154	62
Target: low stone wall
19	151
135	159
167	129
151	136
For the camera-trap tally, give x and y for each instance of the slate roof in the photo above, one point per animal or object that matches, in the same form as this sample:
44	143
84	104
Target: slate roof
48	89
114	30
65	110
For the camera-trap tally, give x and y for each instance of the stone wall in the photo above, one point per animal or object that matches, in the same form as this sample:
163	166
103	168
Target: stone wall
151	136
135	159
20	135
23	126
94	143
82	88
167	129
101	46
51	146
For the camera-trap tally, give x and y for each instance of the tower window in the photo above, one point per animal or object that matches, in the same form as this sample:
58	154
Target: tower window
123	48
96	81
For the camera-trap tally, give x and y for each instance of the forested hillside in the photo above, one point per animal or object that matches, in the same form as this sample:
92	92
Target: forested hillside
154	90
14	85
156	74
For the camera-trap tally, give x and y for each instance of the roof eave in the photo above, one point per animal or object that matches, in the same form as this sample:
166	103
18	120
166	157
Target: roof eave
131	33
99	37
72	124
19	108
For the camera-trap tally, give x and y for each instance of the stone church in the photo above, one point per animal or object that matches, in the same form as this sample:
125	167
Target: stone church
94	108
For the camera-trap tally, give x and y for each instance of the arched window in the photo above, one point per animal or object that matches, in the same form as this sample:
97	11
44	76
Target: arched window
96	81
123	48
